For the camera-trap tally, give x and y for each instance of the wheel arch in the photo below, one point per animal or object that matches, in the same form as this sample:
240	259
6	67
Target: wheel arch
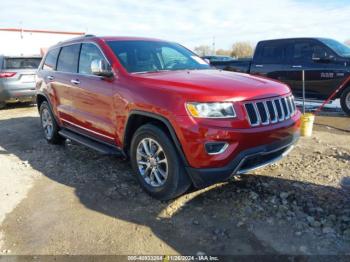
42	97
138	118
345	85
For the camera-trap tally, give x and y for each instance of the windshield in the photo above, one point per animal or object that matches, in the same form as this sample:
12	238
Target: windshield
150	56
22	63
337	47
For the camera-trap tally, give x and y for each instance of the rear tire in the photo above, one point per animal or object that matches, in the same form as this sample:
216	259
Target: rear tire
345	101
49	125
157	164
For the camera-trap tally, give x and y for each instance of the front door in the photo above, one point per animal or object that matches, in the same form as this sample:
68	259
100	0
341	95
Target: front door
92	98
322	76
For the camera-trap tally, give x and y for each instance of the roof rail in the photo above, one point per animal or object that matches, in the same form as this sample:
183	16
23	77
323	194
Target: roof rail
76	38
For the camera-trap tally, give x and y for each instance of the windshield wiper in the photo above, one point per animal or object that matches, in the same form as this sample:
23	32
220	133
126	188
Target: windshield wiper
153	71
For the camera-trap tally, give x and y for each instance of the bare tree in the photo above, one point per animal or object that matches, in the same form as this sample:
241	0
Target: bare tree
203	50
242	50
223	52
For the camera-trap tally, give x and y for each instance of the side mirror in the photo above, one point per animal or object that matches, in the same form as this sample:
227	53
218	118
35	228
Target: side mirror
100	67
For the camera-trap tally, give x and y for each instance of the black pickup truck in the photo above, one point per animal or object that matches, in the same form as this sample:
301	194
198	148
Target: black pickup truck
326	63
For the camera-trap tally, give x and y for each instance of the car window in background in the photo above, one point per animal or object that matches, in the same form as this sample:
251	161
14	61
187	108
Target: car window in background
88	53
225	58
303	51
219	58
271	53
68	59
150	56
339	48
51	59
21	63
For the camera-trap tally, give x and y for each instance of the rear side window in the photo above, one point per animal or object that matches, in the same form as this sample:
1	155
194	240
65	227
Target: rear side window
68	59
271	53
51	59
88	53
22	62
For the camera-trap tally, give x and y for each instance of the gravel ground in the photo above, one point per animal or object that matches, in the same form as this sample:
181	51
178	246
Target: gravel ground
71	200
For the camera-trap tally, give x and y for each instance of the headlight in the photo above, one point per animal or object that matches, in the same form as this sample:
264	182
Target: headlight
211	110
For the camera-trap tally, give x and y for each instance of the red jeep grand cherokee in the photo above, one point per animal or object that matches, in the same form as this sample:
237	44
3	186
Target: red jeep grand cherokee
180	121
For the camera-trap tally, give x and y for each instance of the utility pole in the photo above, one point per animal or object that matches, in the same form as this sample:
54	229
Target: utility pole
213	45
21	26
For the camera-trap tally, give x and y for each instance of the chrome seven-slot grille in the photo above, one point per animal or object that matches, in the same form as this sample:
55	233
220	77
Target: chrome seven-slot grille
270	111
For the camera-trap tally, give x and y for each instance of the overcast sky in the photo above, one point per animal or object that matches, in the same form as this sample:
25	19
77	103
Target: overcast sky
190	22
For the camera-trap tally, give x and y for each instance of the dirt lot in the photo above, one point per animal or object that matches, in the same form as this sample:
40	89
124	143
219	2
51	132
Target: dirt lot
71	200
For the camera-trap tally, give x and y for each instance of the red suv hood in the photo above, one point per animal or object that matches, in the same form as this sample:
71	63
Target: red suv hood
215	84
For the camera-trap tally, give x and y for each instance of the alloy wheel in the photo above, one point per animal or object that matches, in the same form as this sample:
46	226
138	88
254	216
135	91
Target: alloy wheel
347	100
152	162
46	122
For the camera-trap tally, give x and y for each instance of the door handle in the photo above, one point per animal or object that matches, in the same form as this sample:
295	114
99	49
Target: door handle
297	66
259	65
50	78
75	81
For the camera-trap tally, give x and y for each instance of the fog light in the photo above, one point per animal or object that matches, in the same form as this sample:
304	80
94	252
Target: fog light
215	148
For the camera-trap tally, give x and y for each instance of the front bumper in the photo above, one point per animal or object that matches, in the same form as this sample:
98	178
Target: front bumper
244	162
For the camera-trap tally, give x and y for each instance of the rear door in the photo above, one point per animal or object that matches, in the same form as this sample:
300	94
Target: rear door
46	78
62	81
270	60
92	98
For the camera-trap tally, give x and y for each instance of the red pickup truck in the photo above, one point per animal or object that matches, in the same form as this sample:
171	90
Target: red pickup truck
179	121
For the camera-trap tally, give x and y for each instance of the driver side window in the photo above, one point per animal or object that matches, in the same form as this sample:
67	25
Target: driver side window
88	53
306	51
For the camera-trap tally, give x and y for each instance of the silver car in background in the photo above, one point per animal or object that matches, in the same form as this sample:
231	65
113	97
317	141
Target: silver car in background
17	78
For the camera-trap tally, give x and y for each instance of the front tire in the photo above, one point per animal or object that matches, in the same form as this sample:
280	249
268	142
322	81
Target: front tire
157	164
49	125
345	101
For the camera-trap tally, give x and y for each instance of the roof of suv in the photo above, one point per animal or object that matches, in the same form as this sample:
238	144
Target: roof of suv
108	38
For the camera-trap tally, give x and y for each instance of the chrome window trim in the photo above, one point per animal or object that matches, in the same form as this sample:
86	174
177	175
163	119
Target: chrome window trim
79	43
